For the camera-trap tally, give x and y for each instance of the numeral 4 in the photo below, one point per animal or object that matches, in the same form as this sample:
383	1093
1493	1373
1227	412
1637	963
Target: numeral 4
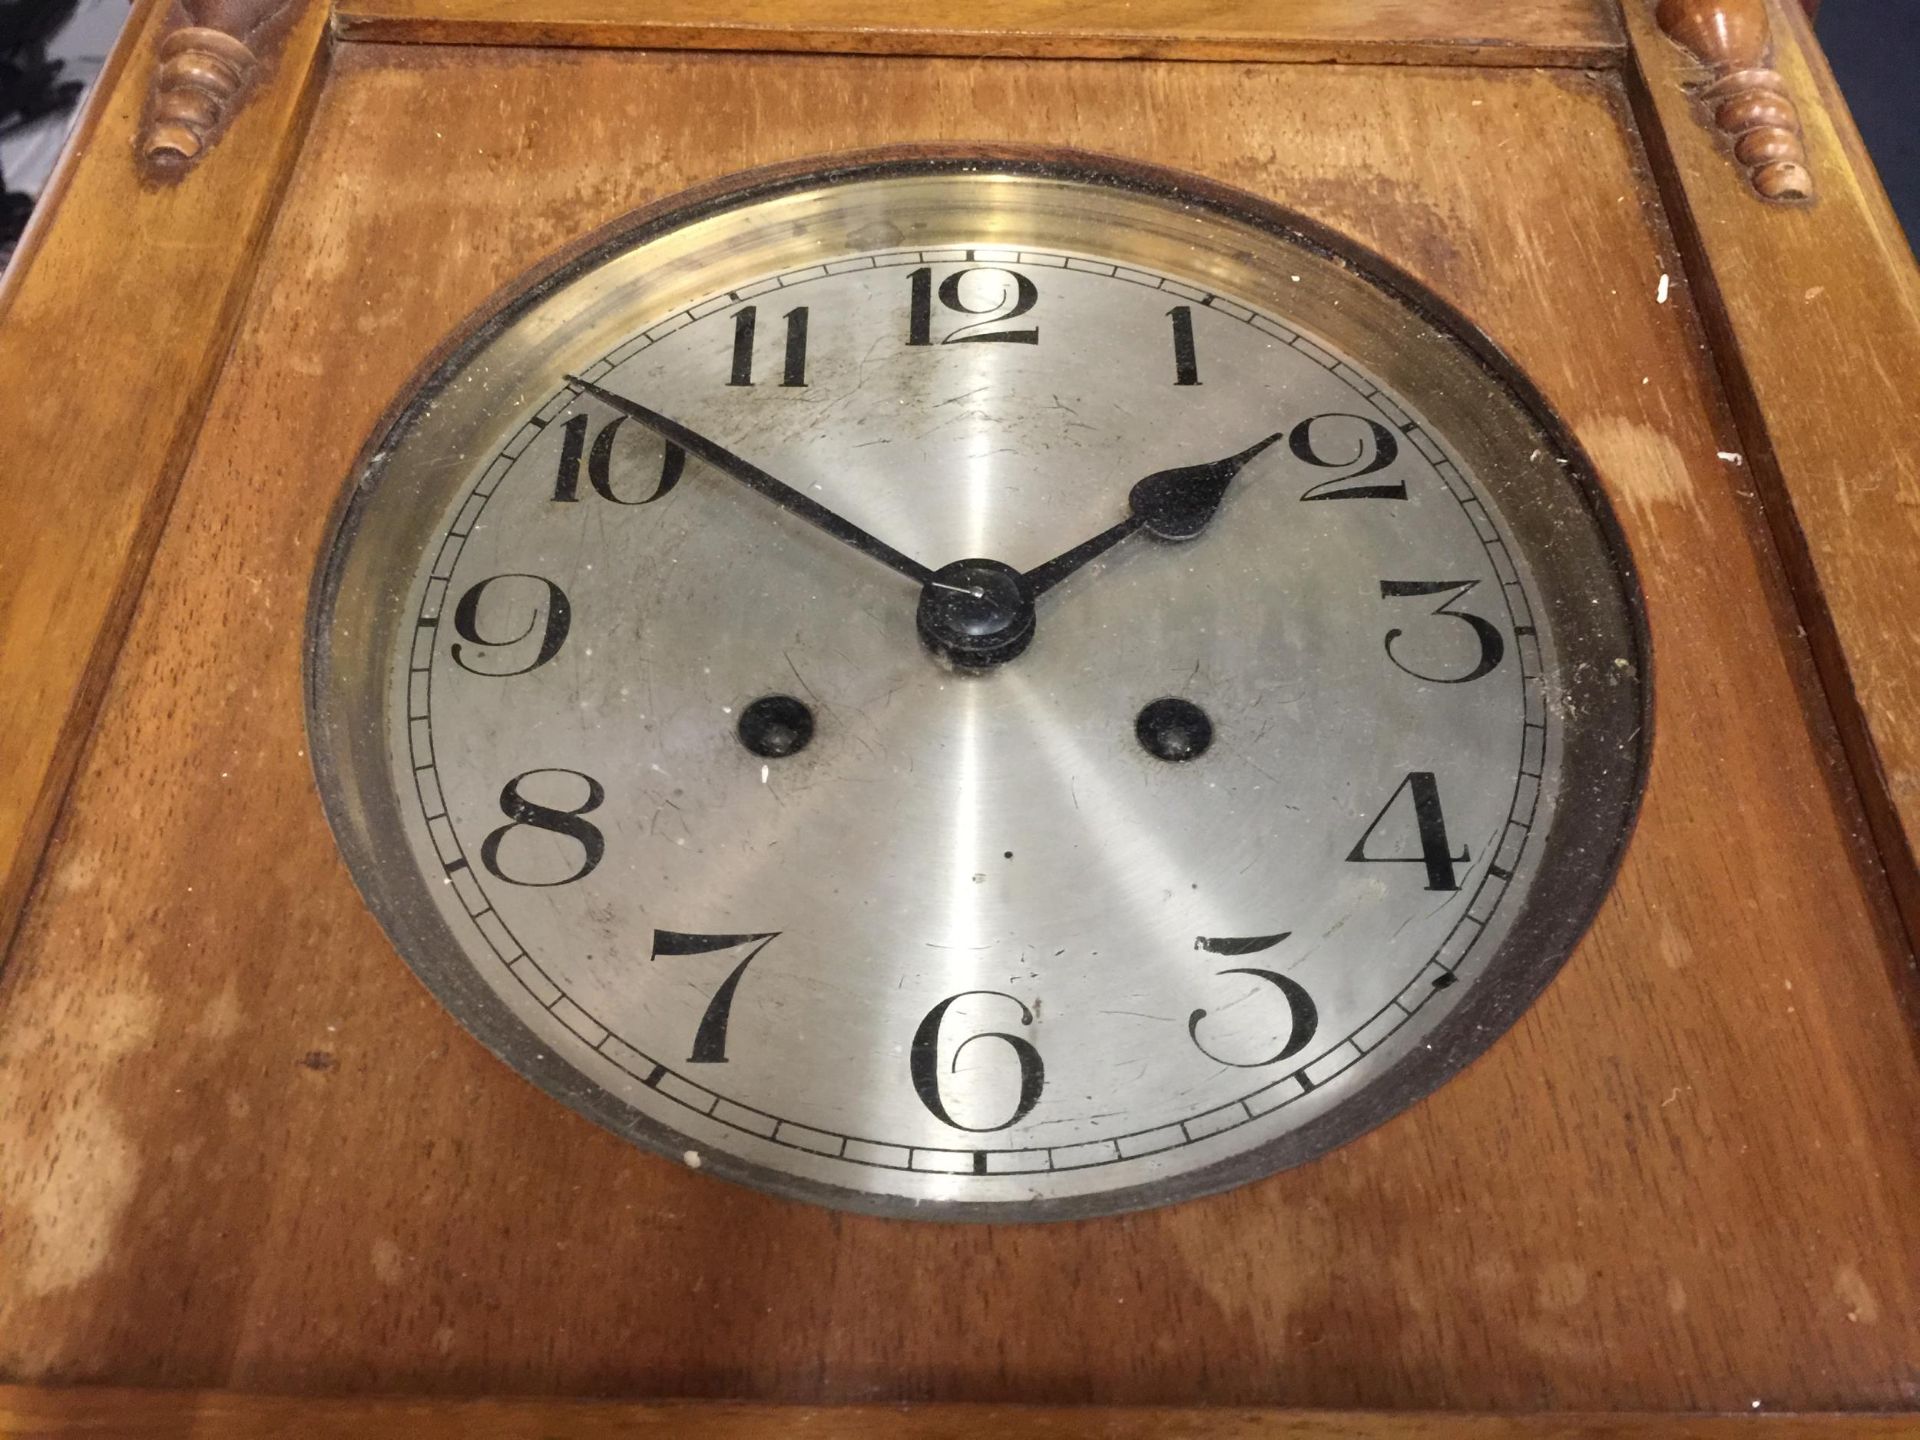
1430	827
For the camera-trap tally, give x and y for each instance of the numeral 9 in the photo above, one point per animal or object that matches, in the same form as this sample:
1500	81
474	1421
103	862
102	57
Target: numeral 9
552	617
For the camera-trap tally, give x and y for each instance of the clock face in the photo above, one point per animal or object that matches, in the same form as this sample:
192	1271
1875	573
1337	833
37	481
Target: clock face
967	688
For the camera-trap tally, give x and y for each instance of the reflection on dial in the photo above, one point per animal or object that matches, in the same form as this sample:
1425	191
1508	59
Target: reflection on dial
1211	789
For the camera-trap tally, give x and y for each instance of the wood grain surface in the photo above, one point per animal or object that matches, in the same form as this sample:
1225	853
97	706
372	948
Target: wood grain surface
109	1414
1463	32
90	455
241	1147
1816	311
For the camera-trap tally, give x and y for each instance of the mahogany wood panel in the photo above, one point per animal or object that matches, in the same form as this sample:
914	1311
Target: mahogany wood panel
90	455
241	1147
1469	32
89	1414
1816	312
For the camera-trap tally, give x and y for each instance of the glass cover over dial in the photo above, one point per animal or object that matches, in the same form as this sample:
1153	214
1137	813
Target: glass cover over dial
973	687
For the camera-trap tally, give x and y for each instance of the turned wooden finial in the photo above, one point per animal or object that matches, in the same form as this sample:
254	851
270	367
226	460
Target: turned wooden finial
205	65
1746	98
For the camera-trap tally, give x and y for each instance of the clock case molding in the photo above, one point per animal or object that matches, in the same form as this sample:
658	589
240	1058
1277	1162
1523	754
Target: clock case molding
161	285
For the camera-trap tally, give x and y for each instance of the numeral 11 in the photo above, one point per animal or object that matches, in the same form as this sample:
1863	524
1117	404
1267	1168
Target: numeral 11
793	372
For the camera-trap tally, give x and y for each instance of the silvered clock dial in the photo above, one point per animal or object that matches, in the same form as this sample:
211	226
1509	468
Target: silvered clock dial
978	687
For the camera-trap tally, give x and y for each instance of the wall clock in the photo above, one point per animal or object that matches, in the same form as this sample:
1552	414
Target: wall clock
925	620
978	686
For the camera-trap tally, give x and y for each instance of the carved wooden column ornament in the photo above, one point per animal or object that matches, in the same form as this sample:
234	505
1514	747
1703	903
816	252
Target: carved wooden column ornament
205	67
1746	99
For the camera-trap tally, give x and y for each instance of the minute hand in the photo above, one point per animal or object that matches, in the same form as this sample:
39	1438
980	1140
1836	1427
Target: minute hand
752	476
1172	504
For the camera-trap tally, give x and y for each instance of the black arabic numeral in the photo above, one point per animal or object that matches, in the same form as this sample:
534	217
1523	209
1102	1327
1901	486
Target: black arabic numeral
573	444
566	484
1003	307
743	323
920	307
552	619
1303	1015
1493	647
1429	825
521	811
924	1062
1306	445
710	1039
793	368
1186	366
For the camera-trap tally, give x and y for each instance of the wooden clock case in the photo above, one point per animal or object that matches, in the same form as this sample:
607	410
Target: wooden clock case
251	1174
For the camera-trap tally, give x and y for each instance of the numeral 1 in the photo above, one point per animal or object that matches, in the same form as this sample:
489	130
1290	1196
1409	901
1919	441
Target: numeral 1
793	371
1186	368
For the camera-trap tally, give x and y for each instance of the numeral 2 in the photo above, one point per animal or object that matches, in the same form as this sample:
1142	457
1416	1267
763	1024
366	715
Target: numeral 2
793	370
1306	444
710	1040
1429	825
1003	307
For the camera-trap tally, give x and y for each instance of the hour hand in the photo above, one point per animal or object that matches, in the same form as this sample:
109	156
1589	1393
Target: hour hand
754	478
1177	504
1174	504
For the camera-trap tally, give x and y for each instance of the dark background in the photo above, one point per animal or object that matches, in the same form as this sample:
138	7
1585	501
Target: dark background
1875	49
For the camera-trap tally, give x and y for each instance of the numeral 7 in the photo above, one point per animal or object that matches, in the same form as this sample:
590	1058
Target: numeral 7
710	1040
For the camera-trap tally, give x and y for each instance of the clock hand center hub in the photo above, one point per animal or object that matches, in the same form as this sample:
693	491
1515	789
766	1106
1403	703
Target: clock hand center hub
976	613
